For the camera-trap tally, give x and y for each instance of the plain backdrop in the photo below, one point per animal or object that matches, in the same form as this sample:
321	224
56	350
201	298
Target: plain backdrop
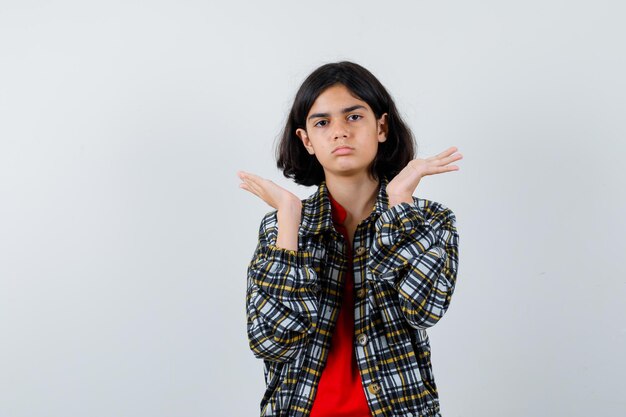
124	237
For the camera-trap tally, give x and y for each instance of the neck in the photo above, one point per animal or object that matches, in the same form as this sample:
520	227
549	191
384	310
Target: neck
357	194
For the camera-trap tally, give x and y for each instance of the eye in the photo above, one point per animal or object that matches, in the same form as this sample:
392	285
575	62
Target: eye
320	122
357	115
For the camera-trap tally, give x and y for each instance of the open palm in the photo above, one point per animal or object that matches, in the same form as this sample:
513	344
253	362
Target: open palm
273	194
403	185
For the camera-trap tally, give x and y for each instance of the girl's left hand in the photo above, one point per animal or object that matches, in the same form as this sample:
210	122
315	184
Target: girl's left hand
403	185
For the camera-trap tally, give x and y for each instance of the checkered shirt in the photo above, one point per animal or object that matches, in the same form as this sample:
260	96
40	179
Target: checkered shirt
405	262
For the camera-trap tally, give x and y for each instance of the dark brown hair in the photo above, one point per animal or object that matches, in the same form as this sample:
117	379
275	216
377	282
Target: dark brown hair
393	154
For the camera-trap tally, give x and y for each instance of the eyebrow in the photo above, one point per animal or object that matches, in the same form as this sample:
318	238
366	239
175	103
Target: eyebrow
346	110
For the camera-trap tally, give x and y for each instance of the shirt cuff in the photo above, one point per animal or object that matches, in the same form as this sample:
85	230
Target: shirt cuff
404	217
286	256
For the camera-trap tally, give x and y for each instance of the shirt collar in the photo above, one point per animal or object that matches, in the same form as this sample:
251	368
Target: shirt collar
317	214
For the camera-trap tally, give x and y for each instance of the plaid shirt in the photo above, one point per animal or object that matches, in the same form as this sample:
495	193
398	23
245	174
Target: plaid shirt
405	262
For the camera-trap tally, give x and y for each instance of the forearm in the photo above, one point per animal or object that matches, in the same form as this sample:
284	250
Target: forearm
281	308
274	332
289	218
416	252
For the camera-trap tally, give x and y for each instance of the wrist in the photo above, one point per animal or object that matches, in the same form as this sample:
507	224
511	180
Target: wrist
291	212
394	200
291	206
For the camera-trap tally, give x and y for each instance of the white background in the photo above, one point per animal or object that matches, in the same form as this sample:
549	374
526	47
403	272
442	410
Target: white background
124	238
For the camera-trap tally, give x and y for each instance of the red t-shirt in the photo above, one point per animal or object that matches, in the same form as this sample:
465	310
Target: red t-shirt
340	391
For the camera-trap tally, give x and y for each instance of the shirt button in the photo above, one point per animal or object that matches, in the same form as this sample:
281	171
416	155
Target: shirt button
374	388
360	293
360	250
315	287
362	339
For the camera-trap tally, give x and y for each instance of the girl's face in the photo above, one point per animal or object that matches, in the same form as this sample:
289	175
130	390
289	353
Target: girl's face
339	119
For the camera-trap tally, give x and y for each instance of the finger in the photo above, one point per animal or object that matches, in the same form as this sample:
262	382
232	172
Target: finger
252	190
256	182
449	168
434	170
249	182
244	186
441	154
260	183
447	152
248	177
450	159
243	174
254	177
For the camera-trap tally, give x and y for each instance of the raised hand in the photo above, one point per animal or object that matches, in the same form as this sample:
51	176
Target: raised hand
403	185
273	194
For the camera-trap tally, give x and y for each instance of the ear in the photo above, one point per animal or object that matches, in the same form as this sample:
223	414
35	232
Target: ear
383	127
305	140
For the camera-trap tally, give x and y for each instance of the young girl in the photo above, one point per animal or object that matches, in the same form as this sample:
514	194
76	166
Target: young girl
342	285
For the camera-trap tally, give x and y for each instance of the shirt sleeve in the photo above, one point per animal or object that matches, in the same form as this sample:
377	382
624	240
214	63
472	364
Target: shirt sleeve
281	305
415	251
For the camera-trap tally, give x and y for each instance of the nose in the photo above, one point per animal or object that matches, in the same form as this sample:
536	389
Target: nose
341	130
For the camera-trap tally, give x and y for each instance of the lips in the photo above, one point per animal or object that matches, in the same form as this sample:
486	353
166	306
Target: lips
342	147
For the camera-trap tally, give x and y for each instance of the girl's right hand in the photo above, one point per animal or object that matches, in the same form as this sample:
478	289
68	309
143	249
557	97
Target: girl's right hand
273	194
